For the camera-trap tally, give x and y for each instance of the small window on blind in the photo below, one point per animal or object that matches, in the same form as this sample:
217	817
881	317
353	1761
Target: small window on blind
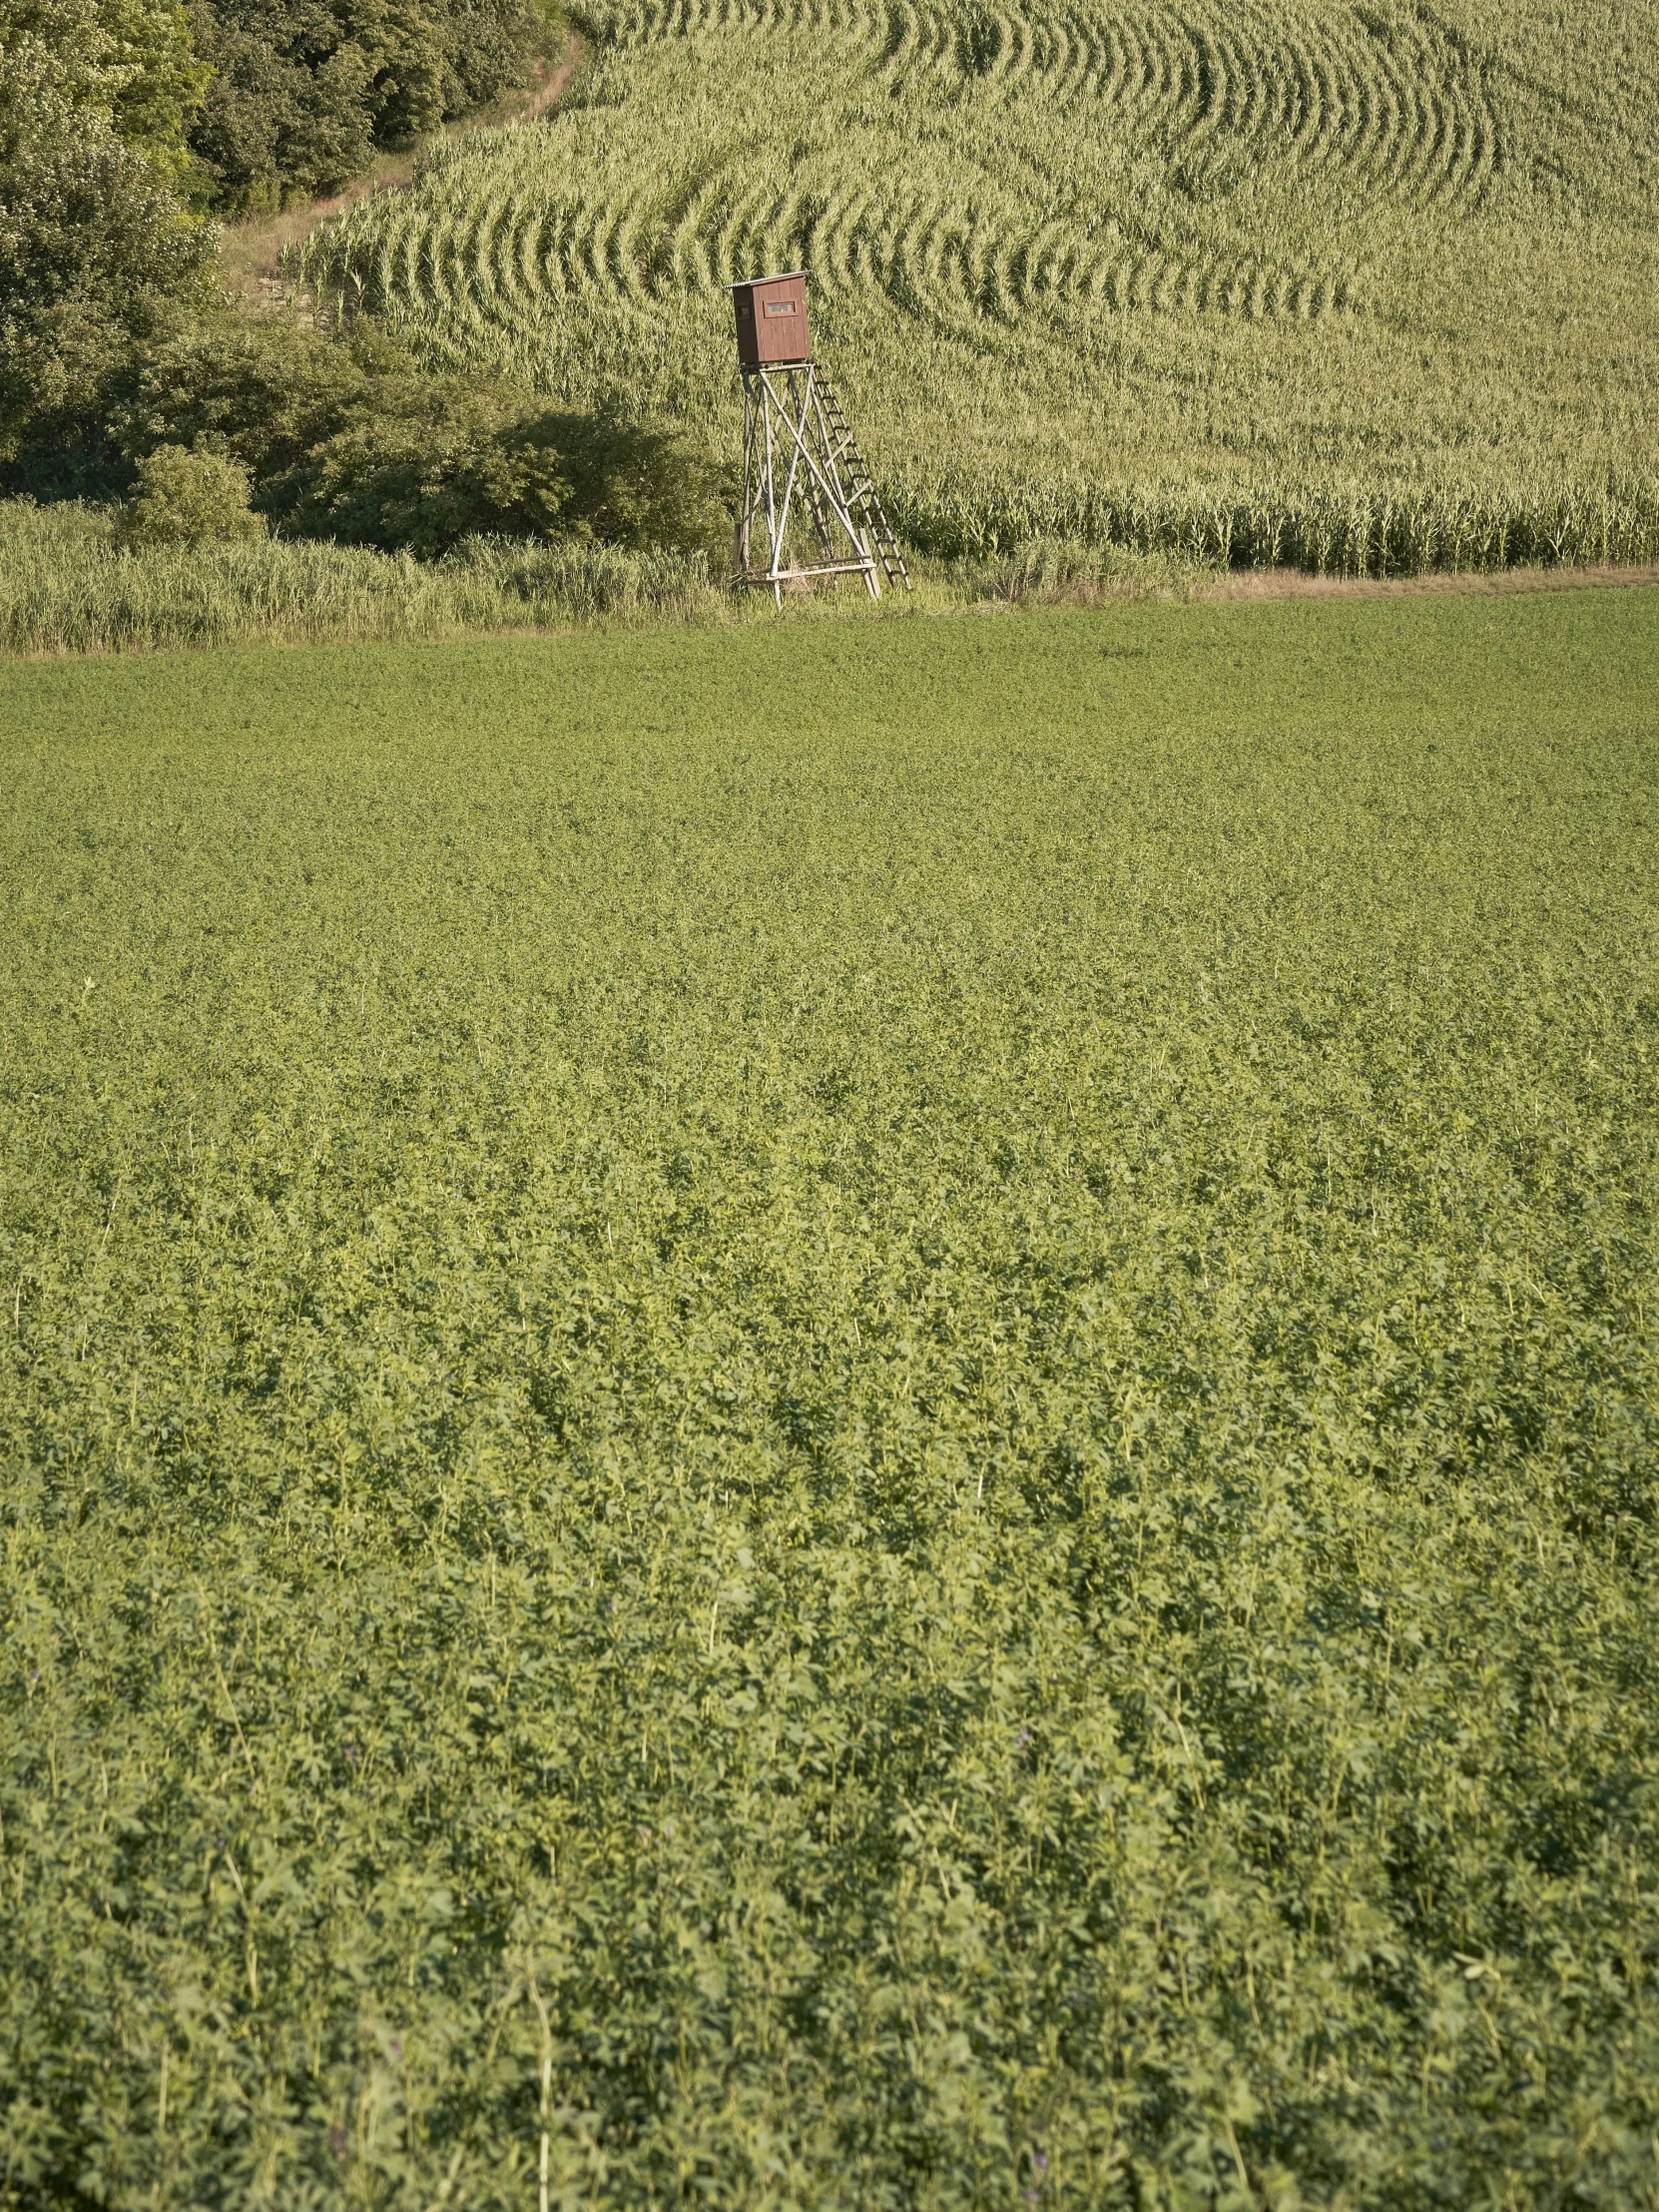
779	306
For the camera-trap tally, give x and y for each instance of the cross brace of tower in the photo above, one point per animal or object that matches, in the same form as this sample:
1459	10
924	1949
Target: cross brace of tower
810	507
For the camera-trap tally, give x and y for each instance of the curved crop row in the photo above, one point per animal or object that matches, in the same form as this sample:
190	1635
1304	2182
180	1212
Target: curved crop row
487	244
1062	241
1379	93
951	236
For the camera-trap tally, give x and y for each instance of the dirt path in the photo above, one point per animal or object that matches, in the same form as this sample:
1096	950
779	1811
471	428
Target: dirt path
250	254
1291	583
551	87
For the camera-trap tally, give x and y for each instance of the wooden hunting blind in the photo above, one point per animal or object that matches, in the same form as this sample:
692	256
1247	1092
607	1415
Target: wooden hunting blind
805	487
772	321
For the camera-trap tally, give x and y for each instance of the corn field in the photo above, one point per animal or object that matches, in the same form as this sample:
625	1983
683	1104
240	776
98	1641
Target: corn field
1370	289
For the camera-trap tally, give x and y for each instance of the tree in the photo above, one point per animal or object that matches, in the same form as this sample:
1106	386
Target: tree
130	63
303	91
97	246
186	498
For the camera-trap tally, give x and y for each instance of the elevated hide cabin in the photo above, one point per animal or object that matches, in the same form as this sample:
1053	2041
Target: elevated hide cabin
772	321
810	510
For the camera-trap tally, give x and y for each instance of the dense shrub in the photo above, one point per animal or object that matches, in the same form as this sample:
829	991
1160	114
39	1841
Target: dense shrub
430	476
186	498
96	248
347	439
130	62
452	467
299	98
269	392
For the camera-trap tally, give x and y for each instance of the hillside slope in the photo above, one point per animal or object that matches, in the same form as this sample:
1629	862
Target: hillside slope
1082	268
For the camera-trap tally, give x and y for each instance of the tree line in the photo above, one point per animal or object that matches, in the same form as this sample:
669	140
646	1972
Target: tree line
127	128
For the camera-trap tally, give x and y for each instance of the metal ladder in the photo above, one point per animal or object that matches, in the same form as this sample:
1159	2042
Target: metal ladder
843	446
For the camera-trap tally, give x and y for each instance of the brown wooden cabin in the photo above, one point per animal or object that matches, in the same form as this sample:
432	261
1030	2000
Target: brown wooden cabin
772	321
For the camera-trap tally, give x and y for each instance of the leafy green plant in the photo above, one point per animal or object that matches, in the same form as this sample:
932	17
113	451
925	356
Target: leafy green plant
300	99
98	248
455	468
351	441
837	1416
188	499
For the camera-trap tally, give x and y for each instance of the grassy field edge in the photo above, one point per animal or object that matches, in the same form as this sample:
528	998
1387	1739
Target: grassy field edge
66	588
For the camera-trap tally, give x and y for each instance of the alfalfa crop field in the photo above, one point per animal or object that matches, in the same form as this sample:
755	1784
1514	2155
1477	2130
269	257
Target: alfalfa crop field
841	1415
1364	288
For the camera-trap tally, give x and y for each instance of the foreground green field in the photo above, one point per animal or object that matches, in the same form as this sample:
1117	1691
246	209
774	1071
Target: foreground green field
1371	288
851	1418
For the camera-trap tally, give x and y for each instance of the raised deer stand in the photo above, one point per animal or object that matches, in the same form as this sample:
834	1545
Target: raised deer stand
808	506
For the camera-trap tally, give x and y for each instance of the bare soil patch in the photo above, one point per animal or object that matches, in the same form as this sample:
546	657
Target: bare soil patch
1291	583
